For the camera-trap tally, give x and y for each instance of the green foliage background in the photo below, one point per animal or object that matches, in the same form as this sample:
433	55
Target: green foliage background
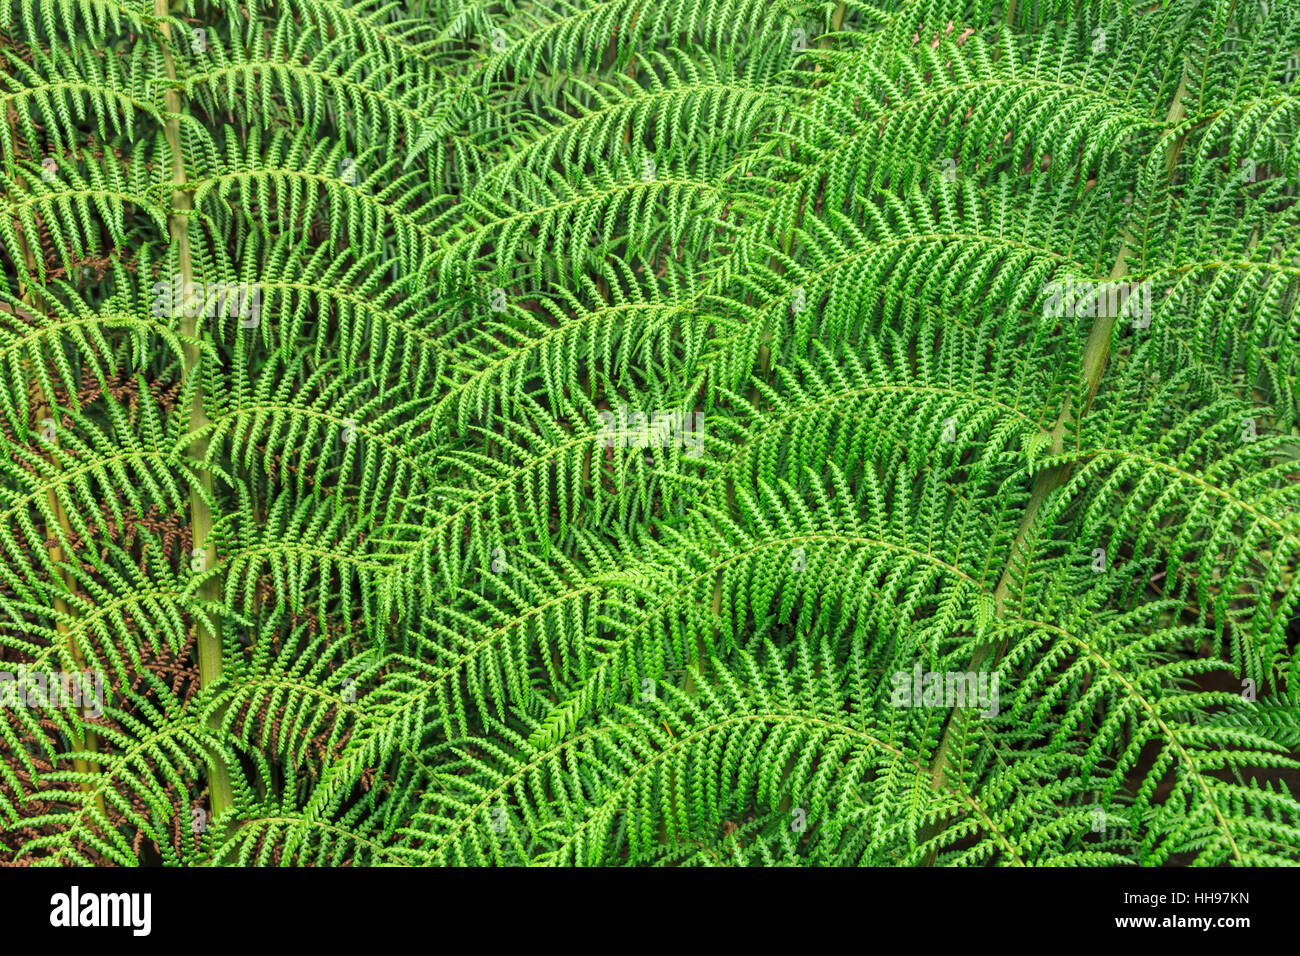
367	584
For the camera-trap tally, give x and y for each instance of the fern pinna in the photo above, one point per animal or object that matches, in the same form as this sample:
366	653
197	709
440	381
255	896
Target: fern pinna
611	433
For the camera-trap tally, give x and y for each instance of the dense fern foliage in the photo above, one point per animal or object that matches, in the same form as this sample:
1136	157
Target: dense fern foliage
599	432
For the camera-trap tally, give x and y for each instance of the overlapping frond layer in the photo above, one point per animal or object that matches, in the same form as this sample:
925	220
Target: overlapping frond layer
607	433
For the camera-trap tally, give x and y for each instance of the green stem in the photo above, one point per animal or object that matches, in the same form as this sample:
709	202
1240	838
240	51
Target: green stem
1096	353
30	296
209	634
